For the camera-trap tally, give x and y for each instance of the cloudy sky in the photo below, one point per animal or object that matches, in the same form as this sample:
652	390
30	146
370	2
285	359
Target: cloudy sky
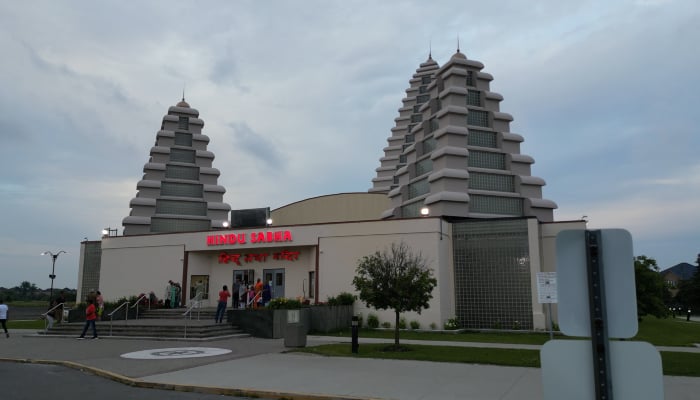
298	98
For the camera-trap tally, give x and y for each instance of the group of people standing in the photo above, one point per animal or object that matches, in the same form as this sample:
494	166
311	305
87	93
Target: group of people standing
172	294
252	296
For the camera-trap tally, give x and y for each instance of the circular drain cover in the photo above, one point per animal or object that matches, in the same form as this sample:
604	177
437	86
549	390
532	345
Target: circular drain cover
176	352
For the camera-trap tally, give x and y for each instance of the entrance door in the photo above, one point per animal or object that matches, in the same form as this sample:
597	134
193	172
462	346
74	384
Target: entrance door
275	277
246	276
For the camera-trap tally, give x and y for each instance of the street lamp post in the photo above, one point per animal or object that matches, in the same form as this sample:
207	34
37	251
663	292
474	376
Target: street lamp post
53	268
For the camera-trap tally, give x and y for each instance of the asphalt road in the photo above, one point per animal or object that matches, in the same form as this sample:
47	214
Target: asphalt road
41	381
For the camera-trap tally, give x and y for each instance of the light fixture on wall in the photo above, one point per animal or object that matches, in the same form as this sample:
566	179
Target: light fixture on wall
109	232
425	211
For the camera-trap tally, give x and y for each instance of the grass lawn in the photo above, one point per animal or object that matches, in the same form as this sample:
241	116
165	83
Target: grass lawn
659	332
26	324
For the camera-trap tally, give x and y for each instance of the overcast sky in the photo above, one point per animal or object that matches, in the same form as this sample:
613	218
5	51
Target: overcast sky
298	98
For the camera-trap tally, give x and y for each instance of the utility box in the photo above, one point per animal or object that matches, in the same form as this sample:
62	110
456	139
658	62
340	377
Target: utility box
295	331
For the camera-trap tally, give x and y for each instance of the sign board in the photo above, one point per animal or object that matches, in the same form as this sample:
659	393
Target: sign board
567	370
546	287
292	316
618	273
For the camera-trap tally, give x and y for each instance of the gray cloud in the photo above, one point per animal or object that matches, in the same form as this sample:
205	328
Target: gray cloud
603	93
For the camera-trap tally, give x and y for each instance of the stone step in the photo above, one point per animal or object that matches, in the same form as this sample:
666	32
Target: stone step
155	328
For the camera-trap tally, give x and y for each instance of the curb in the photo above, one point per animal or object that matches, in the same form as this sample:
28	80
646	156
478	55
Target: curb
241	392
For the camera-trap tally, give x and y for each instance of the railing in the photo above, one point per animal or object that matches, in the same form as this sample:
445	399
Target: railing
111	315
46	315
196	300
254	299
143	296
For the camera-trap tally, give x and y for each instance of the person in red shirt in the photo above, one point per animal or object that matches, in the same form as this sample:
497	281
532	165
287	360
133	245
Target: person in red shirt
221	307
90	317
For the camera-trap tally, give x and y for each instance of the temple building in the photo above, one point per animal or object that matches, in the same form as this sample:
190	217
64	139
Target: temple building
178	192
452	185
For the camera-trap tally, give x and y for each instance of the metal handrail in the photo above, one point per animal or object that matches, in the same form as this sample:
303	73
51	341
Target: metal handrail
111	315
46	324
196	302
143	296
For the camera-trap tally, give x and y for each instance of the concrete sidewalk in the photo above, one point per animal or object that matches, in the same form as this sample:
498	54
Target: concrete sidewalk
260	367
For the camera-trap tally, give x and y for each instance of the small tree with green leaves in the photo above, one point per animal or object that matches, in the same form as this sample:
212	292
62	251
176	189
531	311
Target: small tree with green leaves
396	279
651	290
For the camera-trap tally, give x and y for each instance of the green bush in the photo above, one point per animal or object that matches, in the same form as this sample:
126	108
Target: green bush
281	303
402	323
451	324
372	321
433	325
343	299
415	325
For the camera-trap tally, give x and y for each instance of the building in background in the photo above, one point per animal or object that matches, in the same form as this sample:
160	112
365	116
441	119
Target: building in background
452	185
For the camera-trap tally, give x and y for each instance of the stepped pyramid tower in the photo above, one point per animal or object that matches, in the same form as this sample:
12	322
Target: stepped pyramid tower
179	190
452	150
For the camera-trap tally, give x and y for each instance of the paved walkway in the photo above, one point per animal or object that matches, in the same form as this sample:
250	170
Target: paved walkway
261	367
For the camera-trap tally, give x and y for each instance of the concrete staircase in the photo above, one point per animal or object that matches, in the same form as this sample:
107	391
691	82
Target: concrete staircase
158	324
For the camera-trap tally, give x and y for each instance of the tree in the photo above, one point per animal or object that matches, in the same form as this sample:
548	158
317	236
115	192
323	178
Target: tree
651	289
395	279
689	290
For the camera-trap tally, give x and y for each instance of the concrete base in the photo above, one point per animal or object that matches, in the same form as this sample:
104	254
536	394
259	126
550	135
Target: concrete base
295	335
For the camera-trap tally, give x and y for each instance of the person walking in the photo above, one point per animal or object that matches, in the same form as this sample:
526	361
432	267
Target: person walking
221	307
4	311
51	314
90	317
60	301
100	305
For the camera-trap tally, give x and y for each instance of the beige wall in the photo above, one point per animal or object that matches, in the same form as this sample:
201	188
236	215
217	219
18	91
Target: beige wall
140	264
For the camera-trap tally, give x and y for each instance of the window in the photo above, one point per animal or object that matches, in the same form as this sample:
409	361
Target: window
470	78
434	125
493	182
481	138
422	89
182	172
410	127
410	138
416	118
425	79
183	123
496	205
416	108
474	98
418	188
402	159
178	225
486	257
423	166
396	180
429	145
176	207
411	210
182	155
478	118
422	98
487	159
182	189
183	139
